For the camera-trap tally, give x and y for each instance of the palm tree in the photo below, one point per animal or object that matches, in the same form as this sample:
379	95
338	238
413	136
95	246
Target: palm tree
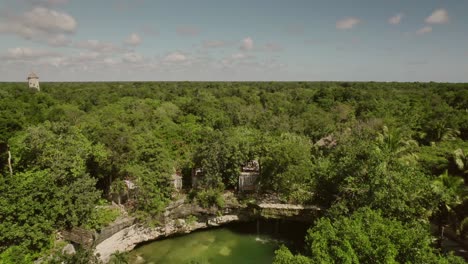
449	134
393	146
461	159
452	192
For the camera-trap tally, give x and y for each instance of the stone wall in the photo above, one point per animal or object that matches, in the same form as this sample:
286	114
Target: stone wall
114	228
79	236
177	219
126	239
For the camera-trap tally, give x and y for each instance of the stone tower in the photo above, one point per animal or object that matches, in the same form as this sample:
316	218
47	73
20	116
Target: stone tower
33	80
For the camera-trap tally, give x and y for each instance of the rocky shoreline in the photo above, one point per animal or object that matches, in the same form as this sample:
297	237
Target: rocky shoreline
128	238
182	218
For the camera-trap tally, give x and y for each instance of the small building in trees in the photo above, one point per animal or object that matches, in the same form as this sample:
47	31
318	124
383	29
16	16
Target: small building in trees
197	174
33	81
122	191
326	142
248	176
177	180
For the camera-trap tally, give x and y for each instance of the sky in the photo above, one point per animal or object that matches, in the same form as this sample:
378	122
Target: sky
242	40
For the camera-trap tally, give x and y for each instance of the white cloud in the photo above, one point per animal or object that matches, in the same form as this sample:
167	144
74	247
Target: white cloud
59	41
40	23
87	59
439	16
21	53
214	44
134	40
247	44
175	57
424	30
48	20
87	56
238	56
132	57
396	19
98	46
57	2
272	47
48	2
347	23
110	61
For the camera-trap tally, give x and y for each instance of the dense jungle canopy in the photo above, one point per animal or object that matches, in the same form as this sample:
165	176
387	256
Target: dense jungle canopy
385	160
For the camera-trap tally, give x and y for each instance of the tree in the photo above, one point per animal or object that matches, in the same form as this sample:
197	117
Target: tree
284	256
30	210
451	192
221	155
119	258
393	146
362	172
286	167
461	160
151	168
367	237
50	189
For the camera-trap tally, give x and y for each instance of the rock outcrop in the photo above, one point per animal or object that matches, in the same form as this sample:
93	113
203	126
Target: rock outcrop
126	239
181	217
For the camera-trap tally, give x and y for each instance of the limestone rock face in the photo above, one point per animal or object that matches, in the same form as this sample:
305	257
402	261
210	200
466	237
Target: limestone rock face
69	249
126	239
181	217
217	221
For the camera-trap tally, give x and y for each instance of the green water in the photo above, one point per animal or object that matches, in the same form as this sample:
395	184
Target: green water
222	245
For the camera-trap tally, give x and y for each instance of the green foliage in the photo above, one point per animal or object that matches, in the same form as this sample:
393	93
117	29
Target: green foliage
284	256
50	188
286	166
464	228
82	256
191	219
74	143
446	155
17	255
367	237
119	258
209	197
450	189
101	217
221	155
461	160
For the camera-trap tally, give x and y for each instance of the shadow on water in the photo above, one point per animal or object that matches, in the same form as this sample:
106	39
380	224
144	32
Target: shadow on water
285	232
247	242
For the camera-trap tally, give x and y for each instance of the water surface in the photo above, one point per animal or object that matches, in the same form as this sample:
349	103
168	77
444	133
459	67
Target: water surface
221	245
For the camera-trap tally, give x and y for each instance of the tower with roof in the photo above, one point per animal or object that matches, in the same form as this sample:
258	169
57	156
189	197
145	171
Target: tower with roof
33	81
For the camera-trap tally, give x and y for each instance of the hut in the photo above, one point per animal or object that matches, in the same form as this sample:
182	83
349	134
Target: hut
248	176
123	191
177	180
197	173
326	142
33	81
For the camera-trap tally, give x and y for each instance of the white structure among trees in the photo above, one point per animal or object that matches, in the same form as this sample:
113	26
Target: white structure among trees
33	80
248	176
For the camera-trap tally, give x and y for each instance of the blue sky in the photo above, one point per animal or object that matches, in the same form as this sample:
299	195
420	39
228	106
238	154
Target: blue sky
139	40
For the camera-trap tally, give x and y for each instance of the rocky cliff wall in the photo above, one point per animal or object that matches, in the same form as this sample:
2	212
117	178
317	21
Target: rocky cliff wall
181	217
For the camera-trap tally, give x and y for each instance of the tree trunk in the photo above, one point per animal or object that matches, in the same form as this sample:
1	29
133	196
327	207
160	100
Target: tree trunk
440	224
9	162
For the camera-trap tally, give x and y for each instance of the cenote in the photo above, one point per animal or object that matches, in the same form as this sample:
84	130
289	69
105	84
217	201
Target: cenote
235	243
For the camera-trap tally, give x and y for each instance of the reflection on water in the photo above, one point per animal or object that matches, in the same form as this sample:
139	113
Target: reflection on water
220	245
